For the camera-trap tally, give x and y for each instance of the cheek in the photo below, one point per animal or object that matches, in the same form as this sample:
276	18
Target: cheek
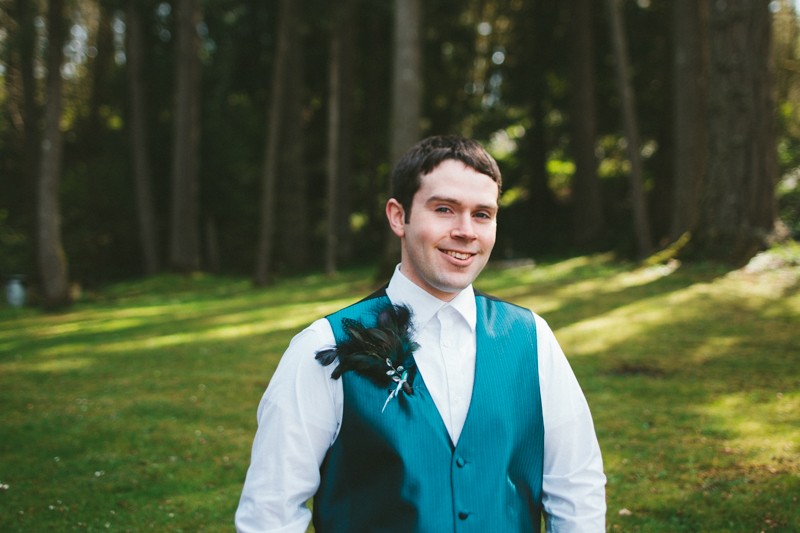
489	234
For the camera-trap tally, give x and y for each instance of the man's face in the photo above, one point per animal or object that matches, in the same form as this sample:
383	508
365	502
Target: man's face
451	231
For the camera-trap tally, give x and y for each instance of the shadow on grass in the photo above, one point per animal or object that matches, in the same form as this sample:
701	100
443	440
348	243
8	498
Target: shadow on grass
137	409
696	410
586	287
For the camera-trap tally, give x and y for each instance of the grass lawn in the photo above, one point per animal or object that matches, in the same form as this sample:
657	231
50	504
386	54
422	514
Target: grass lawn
135	410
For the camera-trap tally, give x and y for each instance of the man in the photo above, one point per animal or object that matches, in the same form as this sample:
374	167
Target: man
468	420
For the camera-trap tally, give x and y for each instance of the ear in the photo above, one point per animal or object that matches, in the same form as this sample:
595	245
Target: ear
396	216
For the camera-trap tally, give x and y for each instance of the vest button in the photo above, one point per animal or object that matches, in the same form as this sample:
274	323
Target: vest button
460	462
462	515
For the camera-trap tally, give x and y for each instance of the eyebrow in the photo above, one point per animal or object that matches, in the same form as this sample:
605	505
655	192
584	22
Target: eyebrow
448	200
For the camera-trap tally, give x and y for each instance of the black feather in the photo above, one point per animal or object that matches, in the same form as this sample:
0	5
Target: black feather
380	353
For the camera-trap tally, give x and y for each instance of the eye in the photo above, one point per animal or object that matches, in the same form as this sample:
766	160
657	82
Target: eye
483	215
443	209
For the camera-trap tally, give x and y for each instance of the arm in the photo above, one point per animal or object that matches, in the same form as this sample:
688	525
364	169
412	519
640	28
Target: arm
297	422
574	484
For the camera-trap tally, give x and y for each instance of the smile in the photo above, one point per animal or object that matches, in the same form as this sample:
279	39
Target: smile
462	256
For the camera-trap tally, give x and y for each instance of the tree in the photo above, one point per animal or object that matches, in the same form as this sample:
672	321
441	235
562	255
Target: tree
269	177
737	206
25	11
20	133
406	105
588	222
690	64
406	78
535	221
340	69
504	71
185	238
641	224
140	153
293	176
52	260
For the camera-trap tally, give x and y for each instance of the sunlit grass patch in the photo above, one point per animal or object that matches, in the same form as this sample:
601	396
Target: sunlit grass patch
135	410
762	424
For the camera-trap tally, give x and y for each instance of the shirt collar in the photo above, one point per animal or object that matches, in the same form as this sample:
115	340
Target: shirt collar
403	291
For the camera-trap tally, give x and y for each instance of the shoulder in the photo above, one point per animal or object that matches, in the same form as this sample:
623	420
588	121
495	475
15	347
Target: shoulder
512	310
494	300
317	336
364	305
361	311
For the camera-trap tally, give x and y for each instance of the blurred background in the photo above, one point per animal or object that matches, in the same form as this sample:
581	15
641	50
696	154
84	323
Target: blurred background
255	137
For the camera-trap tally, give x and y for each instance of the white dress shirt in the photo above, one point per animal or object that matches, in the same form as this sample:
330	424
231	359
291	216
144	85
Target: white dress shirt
301	411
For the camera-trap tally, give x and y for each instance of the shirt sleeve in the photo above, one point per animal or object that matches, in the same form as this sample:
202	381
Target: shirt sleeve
297	422
573	484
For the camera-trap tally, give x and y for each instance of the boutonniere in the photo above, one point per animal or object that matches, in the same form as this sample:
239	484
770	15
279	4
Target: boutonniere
381	353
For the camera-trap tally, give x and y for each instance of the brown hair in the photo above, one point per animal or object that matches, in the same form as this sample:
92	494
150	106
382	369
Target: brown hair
428	154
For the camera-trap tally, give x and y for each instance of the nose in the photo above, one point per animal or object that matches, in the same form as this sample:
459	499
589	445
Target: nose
463	228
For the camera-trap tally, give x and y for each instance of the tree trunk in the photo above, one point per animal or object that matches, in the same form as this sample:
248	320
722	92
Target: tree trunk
140	153
346	127
588	222
738	207
185	236
373	128
690	23
51	257
26	12
102	66
541	209
266	234
293	182
334	131
338	132
24	113
406	106
406	78
641	224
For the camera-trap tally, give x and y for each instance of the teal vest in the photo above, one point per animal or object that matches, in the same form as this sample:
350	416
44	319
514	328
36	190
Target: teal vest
398	470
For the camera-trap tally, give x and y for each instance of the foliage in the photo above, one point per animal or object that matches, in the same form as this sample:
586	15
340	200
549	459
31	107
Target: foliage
490	69
135	409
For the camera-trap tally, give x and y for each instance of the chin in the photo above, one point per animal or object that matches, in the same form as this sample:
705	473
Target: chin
455	286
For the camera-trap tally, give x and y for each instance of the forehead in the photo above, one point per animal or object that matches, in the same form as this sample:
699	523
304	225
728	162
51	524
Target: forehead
454	179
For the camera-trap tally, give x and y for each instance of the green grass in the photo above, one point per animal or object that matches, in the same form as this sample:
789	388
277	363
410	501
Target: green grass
135	410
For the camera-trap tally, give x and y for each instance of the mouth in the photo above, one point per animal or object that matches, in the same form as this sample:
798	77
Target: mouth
460	256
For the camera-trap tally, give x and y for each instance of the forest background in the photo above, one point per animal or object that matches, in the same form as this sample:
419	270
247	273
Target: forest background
256	137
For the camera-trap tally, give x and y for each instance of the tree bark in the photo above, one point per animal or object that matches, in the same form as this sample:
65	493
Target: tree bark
690	24
406	78
346	127
31	112
406	108
588	222
293	178
738	206
266	235
340	72
52	260
334	140
24	113
185	235
140	153
641	224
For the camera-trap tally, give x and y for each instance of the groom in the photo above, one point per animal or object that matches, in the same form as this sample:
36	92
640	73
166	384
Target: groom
428	406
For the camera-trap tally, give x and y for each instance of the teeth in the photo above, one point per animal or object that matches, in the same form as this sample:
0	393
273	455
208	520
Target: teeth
457	255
